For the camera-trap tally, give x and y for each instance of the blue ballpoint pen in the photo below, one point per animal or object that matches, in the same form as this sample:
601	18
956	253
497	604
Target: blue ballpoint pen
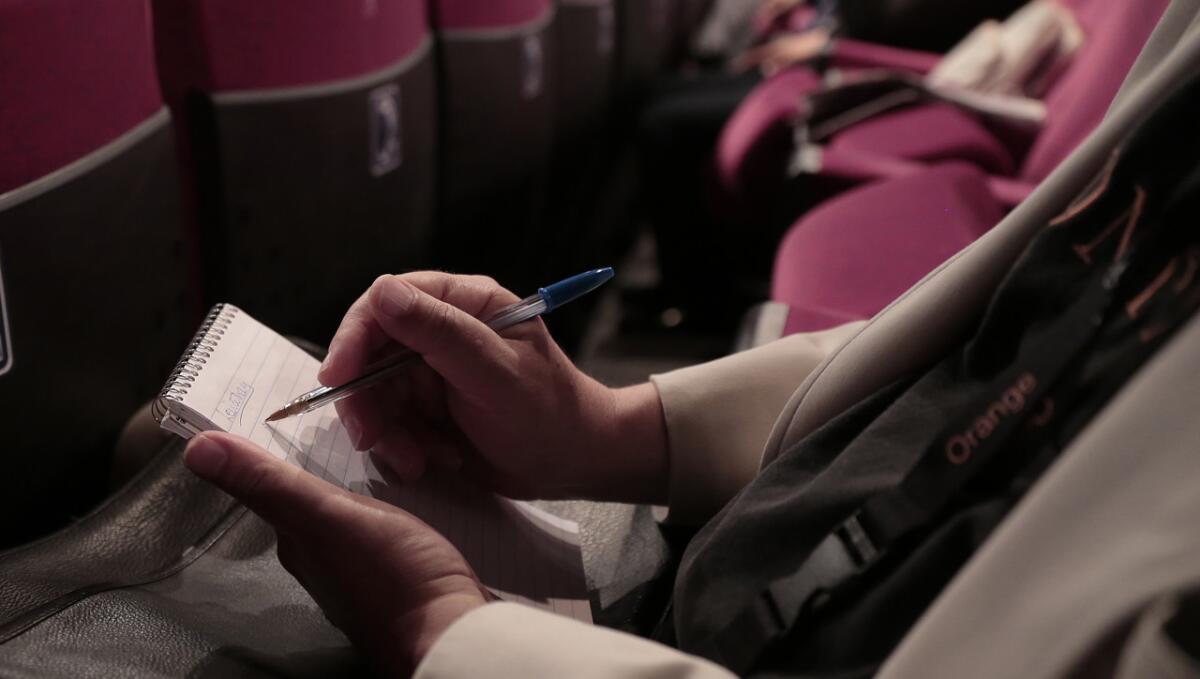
546	300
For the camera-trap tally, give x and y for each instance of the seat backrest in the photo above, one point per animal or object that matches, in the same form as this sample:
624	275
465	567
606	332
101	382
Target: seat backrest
647	38
219	46
756	141
498	94
587	34
466	15
47	90
1114	33
311	131
897	230
93	303
689	14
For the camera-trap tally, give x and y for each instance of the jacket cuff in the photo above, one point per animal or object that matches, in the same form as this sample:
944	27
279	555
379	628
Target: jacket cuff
719	415
510	640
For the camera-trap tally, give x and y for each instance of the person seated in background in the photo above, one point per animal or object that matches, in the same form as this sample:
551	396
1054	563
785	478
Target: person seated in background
684	115
925	25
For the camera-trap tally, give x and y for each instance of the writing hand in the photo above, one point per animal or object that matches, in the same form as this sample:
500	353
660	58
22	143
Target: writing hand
511	411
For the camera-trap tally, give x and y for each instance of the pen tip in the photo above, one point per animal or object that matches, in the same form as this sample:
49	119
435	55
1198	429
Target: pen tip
277	415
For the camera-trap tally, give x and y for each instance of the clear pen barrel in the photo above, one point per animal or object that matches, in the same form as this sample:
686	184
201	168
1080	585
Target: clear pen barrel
524	310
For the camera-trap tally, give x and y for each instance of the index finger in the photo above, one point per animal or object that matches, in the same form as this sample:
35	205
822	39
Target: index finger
360	335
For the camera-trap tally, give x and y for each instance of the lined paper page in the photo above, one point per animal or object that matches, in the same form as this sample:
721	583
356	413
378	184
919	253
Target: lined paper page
518	551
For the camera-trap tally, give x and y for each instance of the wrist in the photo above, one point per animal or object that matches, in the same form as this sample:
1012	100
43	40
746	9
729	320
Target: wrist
631	457
420	629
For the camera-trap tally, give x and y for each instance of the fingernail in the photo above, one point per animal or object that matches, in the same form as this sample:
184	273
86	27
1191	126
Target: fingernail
396	298
353	429
205	457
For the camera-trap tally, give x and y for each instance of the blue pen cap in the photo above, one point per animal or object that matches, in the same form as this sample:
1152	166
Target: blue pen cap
557	294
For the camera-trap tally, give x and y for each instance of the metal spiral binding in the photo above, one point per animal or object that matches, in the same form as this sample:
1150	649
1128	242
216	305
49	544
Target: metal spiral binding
195	356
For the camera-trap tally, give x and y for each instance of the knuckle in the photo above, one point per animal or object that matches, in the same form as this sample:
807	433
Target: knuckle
376	287
442	318
497	296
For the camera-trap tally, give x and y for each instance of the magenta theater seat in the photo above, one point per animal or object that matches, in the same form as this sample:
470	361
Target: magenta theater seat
928	133
818	281
755	144
311	133
47	83
93	311
900	232
1116	32
854	254
856	54
753	149
498	92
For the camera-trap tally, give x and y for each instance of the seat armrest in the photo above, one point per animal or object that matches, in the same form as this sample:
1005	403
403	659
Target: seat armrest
1009	192
862	166
849	53
852	164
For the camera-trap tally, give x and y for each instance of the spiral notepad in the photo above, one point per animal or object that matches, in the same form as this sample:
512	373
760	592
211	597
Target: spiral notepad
236	371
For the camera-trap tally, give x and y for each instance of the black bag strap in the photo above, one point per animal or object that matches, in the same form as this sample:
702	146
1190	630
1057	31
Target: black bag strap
951	461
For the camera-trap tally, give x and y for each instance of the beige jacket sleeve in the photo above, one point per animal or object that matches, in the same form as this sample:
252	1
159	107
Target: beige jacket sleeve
719	415
511	640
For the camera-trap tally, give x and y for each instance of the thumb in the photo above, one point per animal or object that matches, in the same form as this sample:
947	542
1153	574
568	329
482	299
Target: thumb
284	496
458	346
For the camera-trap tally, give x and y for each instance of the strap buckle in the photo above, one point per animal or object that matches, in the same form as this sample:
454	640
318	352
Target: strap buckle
860	546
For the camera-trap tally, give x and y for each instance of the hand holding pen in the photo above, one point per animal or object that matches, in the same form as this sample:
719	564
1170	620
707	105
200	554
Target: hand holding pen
510	411
544	301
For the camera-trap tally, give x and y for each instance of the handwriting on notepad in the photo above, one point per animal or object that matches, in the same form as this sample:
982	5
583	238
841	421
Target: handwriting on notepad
234	402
